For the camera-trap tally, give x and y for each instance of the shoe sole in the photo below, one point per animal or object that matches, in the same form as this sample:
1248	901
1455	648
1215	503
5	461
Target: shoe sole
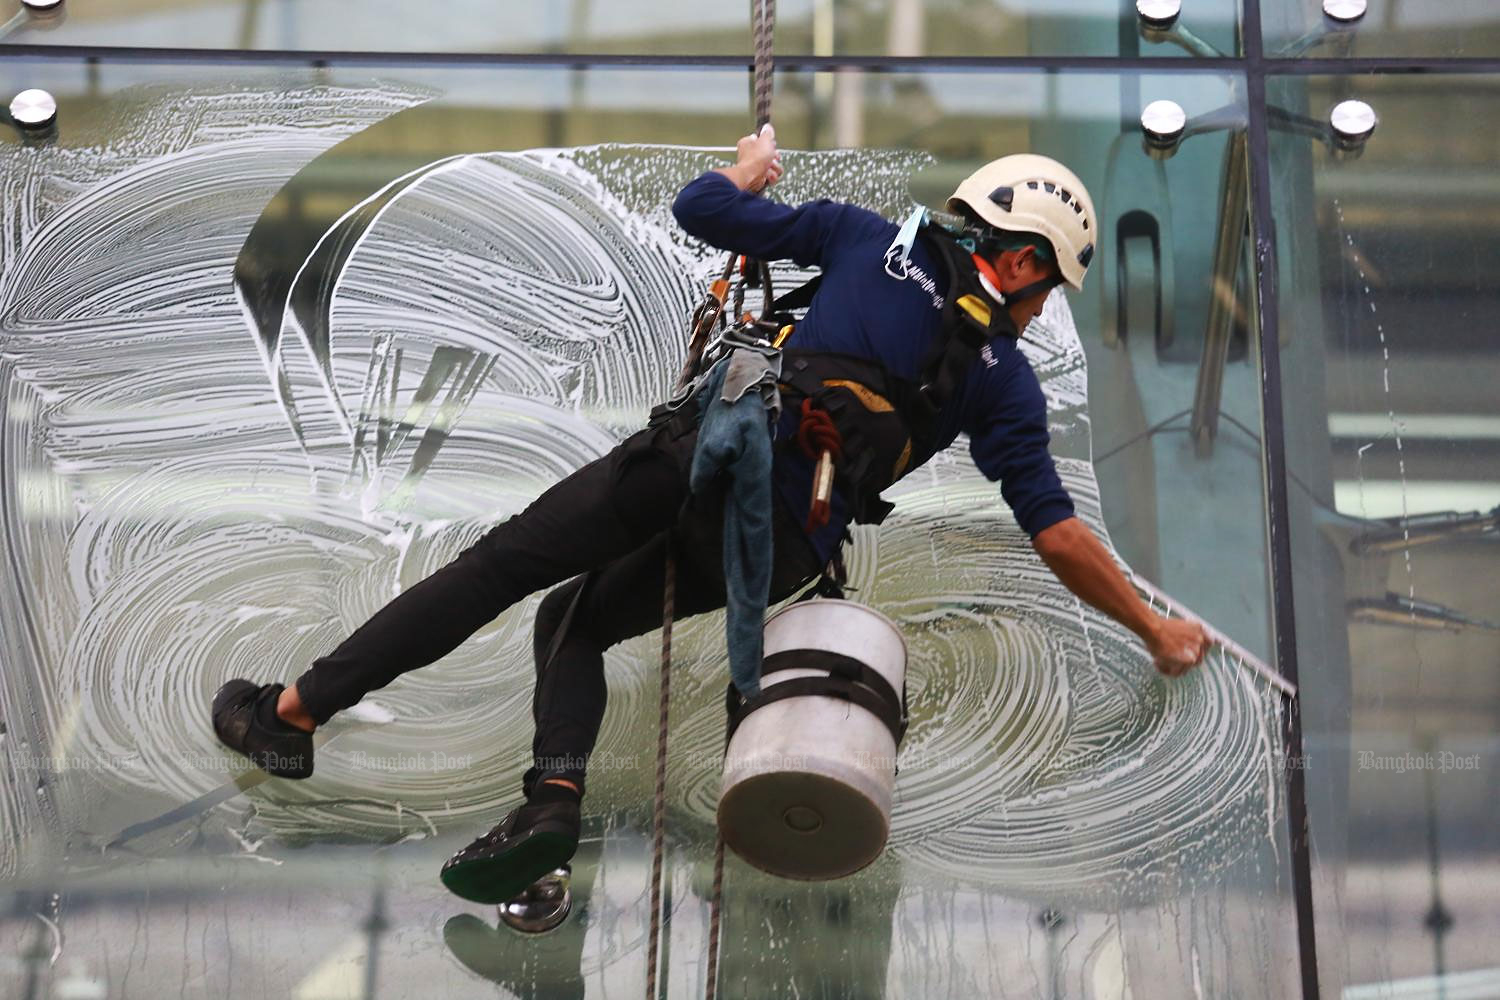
503	877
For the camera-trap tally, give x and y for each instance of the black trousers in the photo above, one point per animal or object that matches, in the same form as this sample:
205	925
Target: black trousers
608	520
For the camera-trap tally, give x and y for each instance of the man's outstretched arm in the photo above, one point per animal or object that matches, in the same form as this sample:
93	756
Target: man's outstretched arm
1077	557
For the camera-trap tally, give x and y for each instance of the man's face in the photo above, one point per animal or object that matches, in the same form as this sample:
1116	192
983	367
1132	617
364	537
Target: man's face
1017	269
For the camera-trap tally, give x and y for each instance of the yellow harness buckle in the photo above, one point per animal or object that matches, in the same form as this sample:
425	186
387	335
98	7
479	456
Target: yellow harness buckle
976	307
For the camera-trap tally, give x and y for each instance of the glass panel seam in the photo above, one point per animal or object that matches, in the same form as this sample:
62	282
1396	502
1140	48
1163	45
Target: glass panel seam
1278	516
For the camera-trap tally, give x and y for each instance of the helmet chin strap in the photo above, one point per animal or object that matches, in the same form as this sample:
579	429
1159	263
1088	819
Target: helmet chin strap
1035	288
991	282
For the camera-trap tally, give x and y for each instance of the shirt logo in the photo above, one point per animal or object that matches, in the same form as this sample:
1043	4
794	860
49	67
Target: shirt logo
988	356
924	280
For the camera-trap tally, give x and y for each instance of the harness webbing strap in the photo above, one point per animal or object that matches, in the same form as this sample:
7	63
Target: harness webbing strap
954	352
800	297
845	678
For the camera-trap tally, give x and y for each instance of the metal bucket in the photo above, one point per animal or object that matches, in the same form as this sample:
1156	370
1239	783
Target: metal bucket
808	780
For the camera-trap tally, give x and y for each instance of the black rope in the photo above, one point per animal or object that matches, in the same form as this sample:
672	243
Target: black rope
659	800
713	921
763	14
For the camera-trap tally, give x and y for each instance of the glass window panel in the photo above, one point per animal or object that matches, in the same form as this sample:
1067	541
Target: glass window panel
655	27
1393	28
243	514
200	483
1388	315
1001	28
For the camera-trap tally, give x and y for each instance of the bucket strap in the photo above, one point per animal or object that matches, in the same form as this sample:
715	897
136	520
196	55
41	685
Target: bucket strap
847	679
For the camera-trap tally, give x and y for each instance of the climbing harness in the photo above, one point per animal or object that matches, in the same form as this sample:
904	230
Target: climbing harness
886	424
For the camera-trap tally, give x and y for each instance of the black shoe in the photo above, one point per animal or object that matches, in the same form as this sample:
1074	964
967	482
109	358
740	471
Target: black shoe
283	751
529	843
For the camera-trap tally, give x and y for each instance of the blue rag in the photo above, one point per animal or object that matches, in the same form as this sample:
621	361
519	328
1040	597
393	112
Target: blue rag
738	401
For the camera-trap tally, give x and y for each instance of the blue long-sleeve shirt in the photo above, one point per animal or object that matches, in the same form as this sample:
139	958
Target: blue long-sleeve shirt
860	309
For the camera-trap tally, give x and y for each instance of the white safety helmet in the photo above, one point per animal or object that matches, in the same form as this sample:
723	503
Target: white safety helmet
1034	194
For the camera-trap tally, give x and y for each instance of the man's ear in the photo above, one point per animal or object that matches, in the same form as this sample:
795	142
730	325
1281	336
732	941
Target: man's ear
1024	257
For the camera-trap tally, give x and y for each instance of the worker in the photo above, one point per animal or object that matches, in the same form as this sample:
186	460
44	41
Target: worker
884	347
